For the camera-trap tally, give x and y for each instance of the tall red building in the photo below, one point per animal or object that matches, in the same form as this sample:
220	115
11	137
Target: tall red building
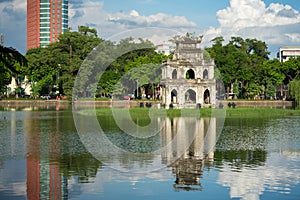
46	19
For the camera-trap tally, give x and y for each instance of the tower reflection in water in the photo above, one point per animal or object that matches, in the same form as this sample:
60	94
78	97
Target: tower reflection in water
189	167
46	147
55	156
44	177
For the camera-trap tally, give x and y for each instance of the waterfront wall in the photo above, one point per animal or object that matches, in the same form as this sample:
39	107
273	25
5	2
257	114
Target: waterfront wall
34	104
64	104
47	104
259	104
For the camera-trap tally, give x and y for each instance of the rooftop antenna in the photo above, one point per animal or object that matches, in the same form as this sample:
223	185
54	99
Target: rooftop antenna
2	39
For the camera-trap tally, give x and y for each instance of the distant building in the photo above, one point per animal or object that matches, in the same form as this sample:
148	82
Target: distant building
166	48
284	54
24	85
46	19
287	52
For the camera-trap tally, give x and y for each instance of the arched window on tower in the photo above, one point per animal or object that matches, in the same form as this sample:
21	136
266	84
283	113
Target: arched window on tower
206	97
174	74
190	74
190	96
205	74
174	96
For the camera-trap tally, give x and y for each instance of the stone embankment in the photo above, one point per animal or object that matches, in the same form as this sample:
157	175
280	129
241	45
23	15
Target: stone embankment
130	104
259	104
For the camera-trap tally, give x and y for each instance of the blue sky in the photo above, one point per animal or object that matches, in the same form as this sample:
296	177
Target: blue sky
276	22
199	11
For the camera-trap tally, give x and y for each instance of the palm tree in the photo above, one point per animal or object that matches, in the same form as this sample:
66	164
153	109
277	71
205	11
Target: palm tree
9	57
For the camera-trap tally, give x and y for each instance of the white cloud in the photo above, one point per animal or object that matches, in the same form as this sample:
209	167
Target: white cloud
134	13
12	11
154	34
14	6
254	13
241	13
13	22
108	175
276	24
293	36
109	23
246	183
134	19
86	13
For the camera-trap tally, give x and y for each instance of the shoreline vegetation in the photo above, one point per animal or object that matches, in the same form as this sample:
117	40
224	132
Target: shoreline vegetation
203	112
144	112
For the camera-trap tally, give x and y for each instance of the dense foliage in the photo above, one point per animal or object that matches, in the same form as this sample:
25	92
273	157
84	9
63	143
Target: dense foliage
295	91
108	68
11	64
246	69
101	63
54	68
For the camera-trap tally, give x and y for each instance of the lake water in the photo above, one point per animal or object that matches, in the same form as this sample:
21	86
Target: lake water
45	155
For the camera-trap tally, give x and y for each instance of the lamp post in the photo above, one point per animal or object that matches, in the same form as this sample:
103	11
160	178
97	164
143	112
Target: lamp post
58	81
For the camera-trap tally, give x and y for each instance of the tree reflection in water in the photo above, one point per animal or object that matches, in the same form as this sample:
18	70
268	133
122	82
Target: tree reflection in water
253	158
54	155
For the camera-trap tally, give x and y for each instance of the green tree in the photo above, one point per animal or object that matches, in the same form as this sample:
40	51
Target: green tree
270	91
291	69
239	62
294	87
42	69
11	64
85	30
9	57
56	66
124	57
253	89
5	78
271	75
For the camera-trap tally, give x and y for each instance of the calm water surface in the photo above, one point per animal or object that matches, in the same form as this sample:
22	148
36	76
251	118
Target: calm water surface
43	157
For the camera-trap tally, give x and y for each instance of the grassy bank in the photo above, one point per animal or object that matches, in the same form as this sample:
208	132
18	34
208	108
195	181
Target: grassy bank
204	112
261	112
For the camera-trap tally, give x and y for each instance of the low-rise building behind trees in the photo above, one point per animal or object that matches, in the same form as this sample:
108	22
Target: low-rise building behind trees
287	52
